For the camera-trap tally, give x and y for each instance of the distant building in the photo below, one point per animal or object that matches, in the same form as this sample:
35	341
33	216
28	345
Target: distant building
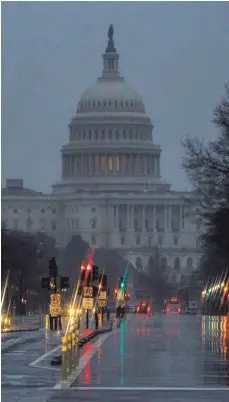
111	191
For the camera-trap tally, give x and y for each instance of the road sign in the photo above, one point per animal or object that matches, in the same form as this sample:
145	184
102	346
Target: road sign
55	300
102	303
54	311
103	296
88	303
88	291
120	295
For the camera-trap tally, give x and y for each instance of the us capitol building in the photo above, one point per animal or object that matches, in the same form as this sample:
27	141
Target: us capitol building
111	191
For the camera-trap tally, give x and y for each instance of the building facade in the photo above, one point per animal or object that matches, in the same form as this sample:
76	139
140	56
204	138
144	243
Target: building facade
111	191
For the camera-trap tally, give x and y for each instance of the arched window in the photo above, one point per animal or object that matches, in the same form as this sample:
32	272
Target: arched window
177	264
189	263
164	262
93	223
93	240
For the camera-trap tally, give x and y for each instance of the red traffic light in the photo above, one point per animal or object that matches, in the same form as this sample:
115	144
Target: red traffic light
89	267
82	267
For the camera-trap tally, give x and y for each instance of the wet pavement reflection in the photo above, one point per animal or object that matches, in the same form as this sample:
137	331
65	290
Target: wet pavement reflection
215	339
161	351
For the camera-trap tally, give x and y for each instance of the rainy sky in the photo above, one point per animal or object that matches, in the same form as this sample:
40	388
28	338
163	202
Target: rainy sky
176	55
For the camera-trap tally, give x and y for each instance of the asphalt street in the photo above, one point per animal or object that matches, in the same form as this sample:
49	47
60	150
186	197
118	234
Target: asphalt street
173	357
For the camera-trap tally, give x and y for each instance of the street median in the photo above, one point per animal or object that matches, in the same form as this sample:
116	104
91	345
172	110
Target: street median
57	360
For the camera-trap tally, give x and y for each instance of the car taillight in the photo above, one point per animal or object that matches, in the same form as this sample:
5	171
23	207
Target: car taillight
137	308
148	309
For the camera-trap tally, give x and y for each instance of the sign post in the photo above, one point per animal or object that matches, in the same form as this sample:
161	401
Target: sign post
88	302
54	309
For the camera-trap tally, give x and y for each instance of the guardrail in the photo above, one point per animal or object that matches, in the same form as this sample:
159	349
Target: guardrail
24	323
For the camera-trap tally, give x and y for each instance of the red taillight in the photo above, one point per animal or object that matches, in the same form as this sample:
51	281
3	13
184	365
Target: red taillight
148	309
143	304
179	310
137	309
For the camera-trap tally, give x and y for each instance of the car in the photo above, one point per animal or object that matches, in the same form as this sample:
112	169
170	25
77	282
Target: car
172	306
143	308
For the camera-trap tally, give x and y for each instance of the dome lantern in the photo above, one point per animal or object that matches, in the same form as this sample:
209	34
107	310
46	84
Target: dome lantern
110	59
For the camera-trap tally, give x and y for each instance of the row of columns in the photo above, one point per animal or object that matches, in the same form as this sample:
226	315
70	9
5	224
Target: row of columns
126	220
104	164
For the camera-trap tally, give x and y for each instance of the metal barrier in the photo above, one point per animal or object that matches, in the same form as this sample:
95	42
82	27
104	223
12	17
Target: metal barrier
27	322
70	355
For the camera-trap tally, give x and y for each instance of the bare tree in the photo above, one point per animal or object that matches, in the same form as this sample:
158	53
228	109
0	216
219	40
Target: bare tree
207	166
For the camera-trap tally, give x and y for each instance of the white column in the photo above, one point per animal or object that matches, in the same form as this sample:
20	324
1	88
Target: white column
170	217
154	218
132	216
165	218
117	217
158	166
114	216
181	212
143	218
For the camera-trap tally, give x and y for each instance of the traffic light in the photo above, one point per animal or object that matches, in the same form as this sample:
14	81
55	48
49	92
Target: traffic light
52	268
89	273
82	272
121	284
64	282
103	280
45	283
116	291
95	273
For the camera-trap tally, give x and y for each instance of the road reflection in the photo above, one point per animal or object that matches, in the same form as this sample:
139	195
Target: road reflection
215	338
85	375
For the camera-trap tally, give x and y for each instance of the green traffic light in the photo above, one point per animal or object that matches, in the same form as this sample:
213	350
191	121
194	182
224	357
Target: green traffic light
122	285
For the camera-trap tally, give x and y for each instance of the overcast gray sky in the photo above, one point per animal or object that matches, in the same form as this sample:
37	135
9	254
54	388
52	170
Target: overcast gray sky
176	55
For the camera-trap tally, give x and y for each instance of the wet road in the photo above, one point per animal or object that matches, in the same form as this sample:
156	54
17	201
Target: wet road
173	358
167	352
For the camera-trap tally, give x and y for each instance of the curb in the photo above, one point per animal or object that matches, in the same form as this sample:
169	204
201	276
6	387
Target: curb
57	360
19	330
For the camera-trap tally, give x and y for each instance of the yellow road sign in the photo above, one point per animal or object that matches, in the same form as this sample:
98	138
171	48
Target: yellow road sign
102	303
88	303
103	296
54	311
88	291
120	295
55	299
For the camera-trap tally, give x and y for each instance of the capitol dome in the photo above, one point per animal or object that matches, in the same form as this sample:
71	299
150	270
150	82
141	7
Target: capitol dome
111	136
110	93
114	95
